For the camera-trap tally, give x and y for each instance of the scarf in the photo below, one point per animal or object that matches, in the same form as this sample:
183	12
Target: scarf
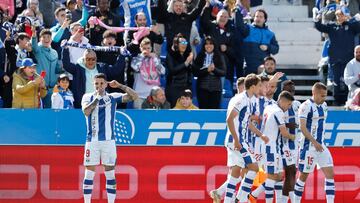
123	51
148	71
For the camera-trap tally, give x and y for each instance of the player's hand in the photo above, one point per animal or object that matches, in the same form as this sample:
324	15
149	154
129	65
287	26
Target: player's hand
291	126
237	146
318	147
223	47
6	78
265	139
114	84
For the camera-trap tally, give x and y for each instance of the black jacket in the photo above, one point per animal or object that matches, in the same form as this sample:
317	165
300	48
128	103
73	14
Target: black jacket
178	74
135	48
209	81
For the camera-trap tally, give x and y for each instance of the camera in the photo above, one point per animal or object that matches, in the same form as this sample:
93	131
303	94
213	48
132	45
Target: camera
68	15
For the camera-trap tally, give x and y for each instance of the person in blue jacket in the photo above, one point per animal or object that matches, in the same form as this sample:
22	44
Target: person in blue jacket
259	41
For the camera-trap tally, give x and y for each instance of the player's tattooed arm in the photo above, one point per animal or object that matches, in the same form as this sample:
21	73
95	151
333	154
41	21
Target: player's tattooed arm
130	95
90	107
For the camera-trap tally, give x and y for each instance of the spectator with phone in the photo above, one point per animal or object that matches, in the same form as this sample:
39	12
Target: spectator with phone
47	59
62	97
77	36
28	87
61	30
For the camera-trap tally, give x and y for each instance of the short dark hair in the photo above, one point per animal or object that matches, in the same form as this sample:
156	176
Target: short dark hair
240	81
58	10
286	95
22	36
139	13
109	33
288	83
319	86
63	77
186	93
269	58
100	75
264	78
264	12
251	80
45	32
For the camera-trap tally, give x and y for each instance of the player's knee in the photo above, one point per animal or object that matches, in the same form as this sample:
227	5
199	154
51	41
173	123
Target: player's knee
90	168
253	167
235	171
303	177
109	168
89	174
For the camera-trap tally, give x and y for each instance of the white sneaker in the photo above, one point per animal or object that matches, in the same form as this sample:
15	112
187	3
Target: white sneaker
215	196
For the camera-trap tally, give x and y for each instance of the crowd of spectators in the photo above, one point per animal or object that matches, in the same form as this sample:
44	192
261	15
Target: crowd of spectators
171	47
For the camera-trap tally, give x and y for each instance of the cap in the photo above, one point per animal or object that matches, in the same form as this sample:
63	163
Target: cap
63	76
26	62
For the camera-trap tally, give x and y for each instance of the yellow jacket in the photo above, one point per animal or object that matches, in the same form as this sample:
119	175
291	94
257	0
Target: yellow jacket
25	92
178	106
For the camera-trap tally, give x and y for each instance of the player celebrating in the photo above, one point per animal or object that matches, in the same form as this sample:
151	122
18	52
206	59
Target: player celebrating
273	126
238	150
99	109
289	148
312	115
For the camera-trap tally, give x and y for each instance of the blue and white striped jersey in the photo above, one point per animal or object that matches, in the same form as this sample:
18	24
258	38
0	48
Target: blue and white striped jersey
273	118
315	116
291	116
100	123
243	107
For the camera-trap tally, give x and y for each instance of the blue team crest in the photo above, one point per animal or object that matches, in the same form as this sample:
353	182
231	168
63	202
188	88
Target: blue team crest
124	128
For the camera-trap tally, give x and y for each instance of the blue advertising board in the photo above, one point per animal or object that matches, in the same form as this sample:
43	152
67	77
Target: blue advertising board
148	127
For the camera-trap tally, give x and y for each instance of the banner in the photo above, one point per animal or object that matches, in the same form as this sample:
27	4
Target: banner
148	127
145	174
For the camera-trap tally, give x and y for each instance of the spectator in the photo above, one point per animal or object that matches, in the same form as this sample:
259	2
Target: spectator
108	18
209	67
34	5
185	101
354	102
269	70
47	59
28	86
222	31
23	48
341	36
132	8
148	70
61	30
71	5
77	36
179	69
85	69
77	13
176	19
62	97
154	35
352	73
259	41
156	99
26	20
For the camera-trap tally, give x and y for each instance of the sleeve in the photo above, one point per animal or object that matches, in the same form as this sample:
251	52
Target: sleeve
205	20
56	35
220	67
279	118
174	69
321	27
159	67
84	17
304	110
239	23
349	75
117	96
86	99
34	45
355	27
240	105
156	38
68	66
56	101
117	69
136	63
197	66
197	11
296	106
274	46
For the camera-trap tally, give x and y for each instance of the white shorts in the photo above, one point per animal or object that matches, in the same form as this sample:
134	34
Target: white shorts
310	158
100	150
239	158
289	157
272	163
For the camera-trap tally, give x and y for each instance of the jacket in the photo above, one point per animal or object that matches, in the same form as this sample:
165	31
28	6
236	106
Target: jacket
78	72
47	59
341	49
209	81
254	36
178	106
149	104
175	24
178	75
25	92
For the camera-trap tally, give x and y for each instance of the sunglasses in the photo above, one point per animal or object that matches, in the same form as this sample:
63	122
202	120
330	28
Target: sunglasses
183	42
